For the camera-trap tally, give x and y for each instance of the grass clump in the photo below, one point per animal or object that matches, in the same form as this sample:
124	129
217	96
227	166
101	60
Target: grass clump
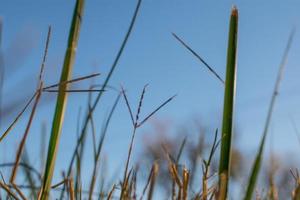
167	173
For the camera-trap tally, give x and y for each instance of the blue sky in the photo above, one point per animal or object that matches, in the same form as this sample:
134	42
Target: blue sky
154	57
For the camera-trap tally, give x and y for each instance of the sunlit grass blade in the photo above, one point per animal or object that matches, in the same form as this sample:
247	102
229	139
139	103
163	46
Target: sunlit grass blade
103	87
185	183
62	99
228	109
297	193
257	163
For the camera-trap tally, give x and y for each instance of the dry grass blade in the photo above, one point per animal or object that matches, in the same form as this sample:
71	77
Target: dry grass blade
18	191
18	117
257	163
175	177
45	53
174	174
171	159
62	98
296	195
71	188
37	98
185	183
109	197
22	143
9	192
125	185
199	57
151	174
71	81
296	191
74	91
152	180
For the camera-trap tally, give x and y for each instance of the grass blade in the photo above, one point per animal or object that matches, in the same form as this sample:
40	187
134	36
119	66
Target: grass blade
229	97
28	175
257	163
104	85
100	145
199	58
153	180
37	98
62	99
9	192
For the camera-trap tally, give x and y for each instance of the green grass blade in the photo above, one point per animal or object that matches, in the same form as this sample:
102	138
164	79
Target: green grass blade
257	163
81	139
229	97
100	145
62	99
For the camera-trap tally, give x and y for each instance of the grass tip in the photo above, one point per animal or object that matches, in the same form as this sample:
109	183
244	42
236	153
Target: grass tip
234	11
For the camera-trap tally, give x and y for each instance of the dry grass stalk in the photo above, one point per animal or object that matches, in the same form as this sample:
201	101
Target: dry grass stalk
37	98
296	191
185	183
154	170
109	197
9	192
71	188
18	191
136	125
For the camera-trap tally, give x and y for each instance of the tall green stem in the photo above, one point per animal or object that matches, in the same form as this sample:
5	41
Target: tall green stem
62	99
228	110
